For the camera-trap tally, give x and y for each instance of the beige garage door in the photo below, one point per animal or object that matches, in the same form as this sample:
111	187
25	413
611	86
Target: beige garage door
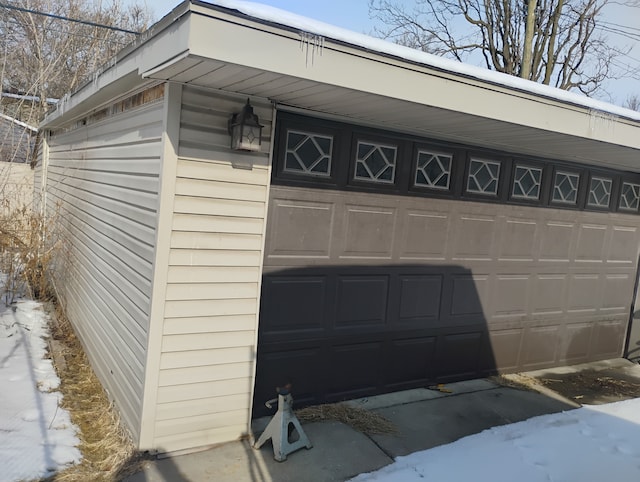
374	285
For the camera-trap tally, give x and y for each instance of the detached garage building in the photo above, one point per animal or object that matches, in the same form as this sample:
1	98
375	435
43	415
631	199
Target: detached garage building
406	221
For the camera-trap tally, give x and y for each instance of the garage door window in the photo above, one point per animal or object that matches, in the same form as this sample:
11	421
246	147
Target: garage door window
483	177
308	153
433	170
630	196
526	183
375	162
565	187
600	192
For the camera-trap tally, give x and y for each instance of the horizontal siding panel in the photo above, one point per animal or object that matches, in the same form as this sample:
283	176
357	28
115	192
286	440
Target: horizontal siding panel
108	212
196	240
222	172
201	422
202	438
209	373
178	309
201	257
209	324
168	411
121	280
219	207
208	291
194	391
135	255
207	357
208	274
141	158
134	182
111	288
220	190
140	199
216	224
207	341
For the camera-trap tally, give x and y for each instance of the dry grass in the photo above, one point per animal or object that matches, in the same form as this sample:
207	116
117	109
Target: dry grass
108	453
360	419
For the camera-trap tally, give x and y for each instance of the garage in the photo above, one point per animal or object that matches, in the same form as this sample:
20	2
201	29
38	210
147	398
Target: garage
394	261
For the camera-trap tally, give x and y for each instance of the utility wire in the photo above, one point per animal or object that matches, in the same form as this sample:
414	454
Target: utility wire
60	17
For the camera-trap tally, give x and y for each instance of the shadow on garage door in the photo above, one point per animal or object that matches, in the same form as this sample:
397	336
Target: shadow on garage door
341	332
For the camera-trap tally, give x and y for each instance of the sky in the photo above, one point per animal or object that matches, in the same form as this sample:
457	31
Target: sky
354	15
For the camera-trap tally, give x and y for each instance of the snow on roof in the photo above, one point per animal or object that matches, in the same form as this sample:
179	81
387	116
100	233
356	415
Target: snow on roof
282	17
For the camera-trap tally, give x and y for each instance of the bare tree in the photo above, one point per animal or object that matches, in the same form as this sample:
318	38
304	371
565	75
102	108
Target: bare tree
46	57
554	42
633	102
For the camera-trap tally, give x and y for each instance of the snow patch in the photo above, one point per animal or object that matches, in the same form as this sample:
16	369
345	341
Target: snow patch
591	443
37	437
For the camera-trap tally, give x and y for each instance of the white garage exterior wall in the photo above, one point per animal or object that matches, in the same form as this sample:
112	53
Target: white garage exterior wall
207	359
102	191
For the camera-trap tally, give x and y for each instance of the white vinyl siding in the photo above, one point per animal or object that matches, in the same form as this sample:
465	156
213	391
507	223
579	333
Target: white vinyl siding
102	187
213	284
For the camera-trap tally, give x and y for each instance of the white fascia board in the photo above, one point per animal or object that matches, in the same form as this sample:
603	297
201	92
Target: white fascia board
242	41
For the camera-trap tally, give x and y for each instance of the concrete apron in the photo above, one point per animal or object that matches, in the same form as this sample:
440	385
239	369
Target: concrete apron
424	418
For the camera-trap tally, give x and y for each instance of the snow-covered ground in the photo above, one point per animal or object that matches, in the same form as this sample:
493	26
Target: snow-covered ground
594	443
37	437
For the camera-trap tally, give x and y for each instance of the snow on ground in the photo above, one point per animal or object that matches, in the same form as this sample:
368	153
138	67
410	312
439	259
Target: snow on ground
37	437
593	443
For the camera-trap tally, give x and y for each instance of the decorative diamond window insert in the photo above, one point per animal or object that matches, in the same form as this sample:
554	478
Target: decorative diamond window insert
565	187
308	153
526	182
600	192
375	162
483	177
433	169
630	196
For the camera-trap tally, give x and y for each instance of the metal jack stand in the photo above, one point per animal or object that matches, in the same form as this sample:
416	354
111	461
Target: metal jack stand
278	428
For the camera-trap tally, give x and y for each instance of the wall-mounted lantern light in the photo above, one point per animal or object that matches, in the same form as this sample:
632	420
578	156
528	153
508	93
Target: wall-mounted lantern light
245	130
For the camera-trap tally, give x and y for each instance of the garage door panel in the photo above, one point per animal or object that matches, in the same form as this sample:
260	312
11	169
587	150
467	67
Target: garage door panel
511	297
474	237
518	239
506	346
557	241
575	344
361	300
585	294
410	362
300	228
469	294
294	303
459	355
591	240
354	369
369	232
425	236
608	339
617	293
623	247
548	297
420	298
539	348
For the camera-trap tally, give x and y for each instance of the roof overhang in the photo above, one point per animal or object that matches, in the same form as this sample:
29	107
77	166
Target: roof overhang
220	48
